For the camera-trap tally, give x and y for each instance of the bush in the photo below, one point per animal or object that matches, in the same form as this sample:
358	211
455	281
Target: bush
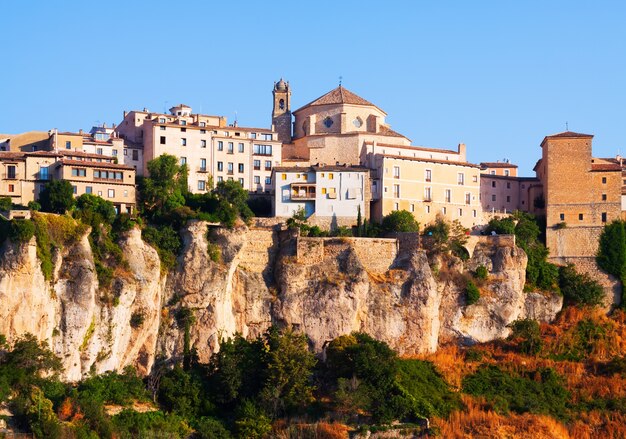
94	210
211	428
439	231
481	272
400	221
472	293
137	319
167	243
529	335
6	203
579	289
57	196
33	205
22	230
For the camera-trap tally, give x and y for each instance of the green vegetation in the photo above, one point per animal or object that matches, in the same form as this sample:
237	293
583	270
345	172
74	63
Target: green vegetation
472	293
481	272
57	196
611	255
400	221
6	203
579	289
528	335
448	237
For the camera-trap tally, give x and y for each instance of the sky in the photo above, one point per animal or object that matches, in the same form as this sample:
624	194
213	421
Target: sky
495	75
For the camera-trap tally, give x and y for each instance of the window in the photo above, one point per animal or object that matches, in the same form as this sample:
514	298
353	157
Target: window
603	217
162	128
115	153
412	207
508	185
240	167
328	122
492	172
11	188
183	161
201	185
79	172
183	122
461	178
323	191
427	209
493	184
162	140
475	178
468	198
125	151
11	173
429	175
220	166
603	197
253	135
230	147
202	143
241	181
562	216
202	124
396	206
183	130
230	168
183	141
493	197
603	180
460	212
88	190
268	180
396	172
99	193
506	172
220	146
305	177
523	186
161	120
220	179
257	179
241	147
135	154
427	194
43	173
126	193
75	190
203	164
256	164
268	165
396	191
448	195
331	175
580	217
443	210
99	151
111	193
508	198
266	136
283	177
68	144
263	149
202	131
474	213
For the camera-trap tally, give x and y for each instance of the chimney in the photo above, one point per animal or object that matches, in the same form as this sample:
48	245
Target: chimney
462	152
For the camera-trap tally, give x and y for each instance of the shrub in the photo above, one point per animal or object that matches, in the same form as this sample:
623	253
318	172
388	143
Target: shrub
57	196
561	225
167	243
579	289
502	226
472	293
22	230
211	428
400	221
137	319
481	272
529	335
6	203
33	205
439	231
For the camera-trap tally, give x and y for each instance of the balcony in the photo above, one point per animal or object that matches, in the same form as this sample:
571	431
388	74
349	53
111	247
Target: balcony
257	168
42	176
230	172
303	192
428	199
201	169
10	176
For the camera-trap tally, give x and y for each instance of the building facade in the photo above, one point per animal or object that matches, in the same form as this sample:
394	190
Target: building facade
212	150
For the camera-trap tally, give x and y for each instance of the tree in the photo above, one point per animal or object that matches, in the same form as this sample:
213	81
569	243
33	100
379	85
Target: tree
400	221
5	203
57	196
472	293
231	193
502	226
439	232
528	333
579	288
611	255
94	210
164	190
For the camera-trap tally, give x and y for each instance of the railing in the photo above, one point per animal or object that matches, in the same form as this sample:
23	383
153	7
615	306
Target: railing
268	168
428	199
306	196
41	176
257	168
201	169
229	173
8	176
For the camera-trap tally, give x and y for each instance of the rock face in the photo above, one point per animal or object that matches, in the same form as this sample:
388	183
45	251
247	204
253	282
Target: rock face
325	287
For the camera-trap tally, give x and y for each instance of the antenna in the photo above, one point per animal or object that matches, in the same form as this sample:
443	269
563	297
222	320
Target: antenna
340	80
566	126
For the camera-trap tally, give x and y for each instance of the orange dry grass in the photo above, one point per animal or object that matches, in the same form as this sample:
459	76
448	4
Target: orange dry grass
594	425
478	422
322	430
451	364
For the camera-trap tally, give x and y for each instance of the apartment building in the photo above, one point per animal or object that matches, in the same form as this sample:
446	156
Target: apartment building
502	168
342	127
212	150
331	196
24	174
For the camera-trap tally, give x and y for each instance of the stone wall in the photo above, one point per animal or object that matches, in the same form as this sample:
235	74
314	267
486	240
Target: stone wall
612	286
376	254
572	242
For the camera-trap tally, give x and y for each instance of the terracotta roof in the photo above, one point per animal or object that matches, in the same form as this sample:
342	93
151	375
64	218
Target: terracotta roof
8	155
569	134
386	131
69	153
339	95
497	165
96	164
417	148
444	162
319	168
507	177
605	167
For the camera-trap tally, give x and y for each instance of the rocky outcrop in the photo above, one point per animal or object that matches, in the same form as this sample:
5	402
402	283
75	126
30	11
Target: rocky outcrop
326	288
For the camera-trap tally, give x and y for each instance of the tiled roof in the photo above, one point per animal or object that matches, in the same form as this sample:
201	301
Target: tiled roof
412	147
339	95
96	164
568	134
497	165
90	155
321	168
605	167
419	159
386	131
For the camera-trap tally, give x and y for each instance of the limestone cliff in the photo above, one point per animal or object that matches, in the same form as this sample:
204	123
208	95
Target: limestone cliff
324	287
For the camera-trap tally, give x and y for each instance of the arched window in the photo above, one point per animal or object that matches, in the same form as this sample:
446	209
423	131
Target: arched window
328	122
281	104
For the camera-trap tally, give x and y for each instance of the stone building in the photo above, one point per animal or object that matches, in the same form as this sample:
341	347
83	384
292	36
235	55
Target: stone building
331	196
581	194
341	127
212	150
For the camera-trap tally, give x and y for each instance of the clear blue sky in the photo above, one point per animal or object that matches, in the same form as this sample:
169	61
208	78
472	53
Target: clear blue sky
497	75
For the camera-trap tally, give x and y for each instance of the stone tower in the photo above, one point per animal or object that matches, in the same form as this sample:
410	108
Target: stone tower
281	114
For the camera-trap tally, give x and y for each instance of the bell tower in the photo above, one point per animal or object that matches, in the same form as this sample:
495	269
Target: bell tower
281	114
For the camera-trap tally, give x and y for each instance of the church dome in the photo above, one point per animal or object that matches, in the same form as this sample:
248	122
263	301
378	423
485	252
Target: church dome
281	85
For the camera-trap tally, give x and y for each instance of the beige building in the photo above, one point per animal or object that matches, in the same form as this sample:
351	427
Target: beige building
581	194
503	168
212	150
331	196
343	128
24	174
